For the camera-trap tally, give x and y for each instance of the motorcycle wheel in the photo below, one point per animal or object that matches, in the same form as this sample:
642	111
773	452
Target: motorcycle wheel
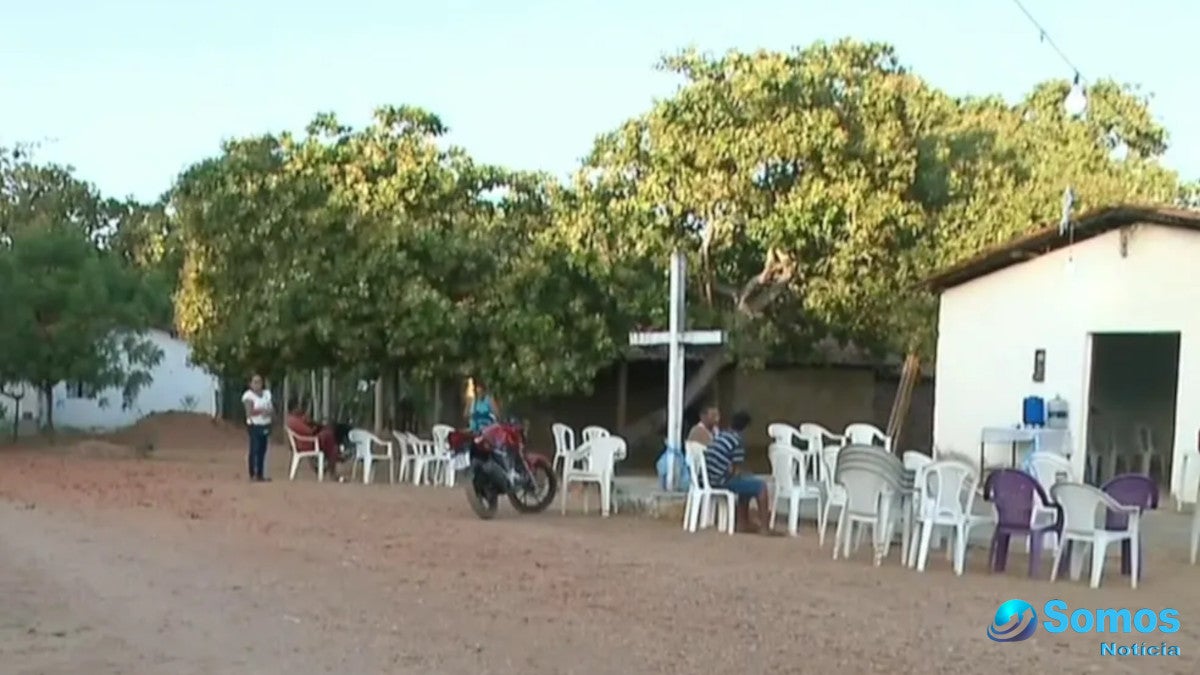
483	500
536	500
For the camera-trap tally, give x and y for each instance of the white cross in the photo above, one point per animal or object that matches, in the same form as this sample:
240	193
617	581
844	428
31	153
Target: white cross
675	338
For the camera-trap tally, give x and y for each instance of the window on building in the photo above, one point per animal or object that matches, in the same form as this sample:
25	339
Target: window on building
79	390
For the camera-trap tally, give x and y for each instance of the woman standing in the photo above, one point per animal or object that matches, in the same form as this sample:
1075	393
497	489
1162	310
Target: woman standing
257	402
483	410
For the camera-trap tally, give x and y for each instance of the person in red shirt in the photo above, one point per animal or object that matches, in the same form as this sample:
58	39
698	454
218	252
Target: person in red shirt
299	423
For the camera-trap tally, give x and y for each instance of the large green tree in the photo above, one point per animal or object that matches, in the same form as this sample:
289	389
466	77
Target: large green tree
381	249
72	309
814	189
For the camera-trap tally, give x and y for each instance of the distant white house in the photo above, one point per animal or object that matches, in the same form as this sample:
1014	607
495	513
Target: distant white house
178	385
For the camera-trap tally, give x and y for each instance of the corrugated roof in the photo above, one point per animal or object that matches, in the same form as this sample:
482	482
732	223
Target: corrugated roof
1047	239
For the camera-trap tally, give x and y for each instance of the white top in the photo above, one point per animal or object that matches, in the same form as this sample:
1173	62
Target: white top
262	400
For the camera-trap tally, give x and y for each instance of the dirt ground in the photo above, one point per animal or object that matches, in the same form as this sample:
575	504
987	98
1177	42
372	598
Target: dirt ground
168	561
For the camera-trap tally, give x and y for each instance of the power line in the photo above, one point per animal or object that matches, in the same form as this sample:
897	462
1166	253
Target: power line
1045	37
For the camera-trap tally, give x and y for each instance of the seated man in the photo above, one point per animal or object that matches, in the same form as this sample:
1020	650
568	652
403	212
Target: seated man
706	429
299	423
725	458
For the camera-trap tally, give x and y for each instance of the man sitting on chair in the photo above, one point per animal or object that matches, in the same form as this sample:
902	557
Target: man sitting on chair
706	428
725	458
328	441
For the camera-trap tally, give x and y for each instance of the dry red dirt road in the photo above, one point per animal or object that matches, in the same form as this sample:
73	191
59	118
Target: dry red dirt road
175	565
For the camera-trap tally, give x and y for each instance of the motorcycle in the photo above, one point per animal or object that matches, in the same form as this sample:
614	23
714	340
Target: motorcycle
497	463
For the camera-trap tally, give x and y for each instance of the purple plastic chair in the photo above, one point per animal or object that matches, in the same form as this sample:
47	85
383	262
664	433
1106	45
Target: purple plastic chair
1012	492
1130	489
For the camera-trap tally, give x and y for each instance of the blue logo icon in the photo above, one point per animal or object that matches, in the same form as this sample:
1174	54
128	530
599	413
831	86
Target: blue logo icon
1015	621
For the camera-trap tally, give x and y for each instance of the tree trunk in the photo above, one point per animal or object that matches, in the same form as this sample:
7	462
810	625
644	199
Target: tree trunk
287	393
326	396
380	388
314	396
17	416
652	423
47	390
16	399
437	400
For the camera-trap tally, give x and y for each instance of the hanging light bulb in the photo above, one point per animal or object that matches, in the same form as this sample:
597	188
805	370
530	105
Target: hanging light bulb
1076	102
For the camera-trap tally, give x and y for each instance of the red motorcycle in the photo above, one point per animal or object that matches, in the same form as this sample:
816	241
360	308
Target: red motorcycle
497	463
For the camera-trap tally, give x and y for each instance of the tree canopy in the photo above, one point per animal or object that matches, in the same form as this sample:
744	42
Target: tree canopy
72	310
811	189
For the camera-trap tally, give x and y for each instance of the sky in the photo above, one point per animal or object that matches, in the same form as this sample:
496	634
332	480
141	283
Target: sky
130	92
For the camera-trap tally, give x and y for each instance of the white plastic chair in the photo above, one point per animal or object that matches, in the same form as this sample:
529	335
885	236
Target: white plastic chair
564	442
816	440
703	501
1046	468
865	492
297	455
861	433
425	459
593	432
782	433
1083	508
600	455
406	460
895	507
834	494
945	496
443	473
364	443
791	483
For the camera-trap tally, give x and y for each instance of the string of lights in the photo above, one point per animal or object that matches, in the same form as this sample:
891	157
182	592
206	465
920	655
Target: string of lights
1076	101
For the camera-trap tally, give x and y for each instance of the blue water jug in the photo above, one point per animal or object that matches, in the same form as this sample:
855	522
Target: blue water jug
1033	411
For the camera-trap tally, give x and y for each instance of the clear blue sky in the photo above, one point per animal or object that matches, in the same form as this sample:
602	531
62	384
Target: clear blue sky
131	91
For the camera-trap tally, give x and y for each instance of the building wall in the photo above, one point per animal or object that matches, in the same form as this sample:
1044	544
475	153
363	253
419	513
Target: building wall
177	386
833	397
989	328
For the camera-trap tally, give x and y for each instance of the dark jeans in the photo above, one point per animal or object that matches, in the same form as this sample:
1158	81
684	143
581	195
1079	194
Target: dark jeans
259	436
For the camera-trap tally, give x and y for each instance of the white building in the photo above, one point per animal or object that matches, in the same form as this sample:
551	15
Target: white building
1112	311
178	385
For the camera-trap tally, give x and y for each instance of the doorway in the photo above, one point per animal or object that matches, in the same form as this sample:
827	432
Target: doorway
1131	404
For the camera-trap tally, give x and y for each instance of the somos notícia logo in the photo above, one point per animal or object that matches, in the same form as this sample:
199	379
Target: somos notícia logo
1017	621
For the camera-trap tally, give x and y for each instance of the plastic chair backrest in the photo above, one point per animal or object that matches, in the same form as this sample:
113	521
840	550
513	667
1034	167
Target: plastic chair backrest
564	438
818	437
1129	489
697	467
1013	492
861	433
1046	466
602	453
786	468
947	489
864	489
914	461
293	437
1081	506
441	436
784	434
593	432
873	455
361	438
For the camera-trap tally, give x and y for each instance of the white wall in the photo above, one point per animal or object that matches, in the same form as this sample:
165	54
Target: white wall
988	330
175	380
